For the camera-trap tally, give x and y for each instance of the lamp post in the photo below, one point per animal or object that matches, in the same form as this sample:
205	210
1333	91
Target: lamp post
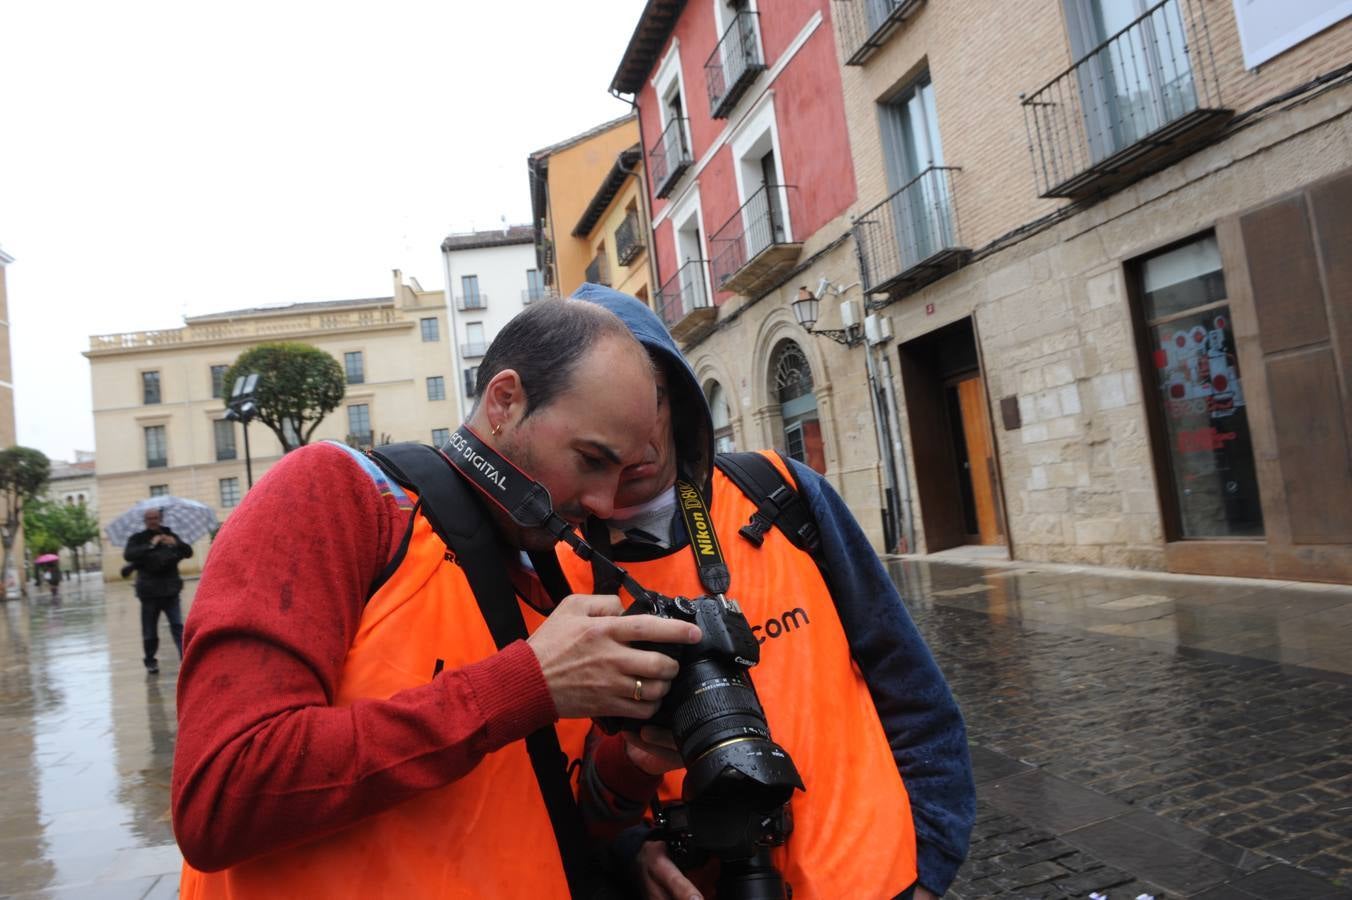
805	310
242	409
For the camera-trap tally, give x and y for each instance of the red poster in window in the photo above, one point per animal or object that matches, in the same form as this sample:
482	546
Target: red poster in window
812	445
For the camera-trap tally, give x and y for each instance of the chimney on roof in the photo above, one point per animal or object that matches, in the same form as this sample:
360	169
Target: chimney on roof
505	227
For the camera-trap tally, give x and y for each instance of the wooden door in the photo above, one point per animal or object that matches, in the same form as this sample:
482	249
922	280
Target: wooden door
980	458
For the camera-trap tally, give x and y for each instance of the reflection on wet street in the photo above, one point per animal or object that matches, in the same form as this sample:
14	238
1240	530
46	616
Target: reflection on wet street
86	747
1134	733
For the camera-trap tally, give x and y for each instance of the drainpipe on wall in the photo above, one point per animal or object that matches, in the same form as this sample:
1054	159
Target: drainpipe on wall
883	417
899	454
878	415
653	284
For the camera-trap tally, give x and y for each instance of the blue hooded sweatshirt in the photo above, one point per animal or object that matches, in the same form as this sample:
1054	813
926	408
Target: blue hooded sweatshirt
919	714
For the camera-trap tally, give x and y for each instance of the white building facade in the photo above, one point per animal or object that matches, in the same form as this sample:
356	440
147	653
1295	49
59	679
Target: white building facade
490	277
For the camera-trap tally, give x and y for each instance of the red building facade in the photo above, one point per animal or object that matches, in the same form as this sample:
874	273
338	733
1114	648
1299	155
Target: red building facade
743	123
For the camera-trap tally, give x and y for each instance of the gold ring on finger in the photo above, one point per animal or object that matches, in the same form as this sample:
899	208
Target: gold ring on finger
638	689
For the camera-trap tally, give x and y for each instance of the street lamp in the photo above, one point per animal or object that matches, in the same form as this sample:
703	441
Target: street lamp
242	409
805	310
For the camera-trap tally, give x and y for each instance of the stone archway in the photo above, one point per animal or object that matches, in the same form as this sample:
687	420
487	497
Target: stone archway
792	390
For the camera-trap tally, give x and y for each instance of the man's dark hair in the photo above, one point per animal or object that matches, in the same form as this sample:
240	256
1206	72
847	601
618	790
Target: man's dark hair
544	345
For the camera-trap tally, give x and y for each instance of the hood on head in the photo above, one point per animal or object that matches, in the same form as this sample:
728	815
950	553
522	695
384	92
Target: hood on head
691	420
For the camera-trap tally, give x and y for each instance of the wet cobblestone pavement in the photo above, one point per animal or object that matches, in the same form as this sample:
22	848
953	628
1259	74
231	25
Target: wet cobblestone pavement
86	747
1131	734
1120	762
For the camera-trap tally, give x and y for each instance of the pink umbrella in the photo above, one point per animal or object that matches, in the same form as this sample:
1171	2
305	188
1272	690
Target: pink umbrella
46	558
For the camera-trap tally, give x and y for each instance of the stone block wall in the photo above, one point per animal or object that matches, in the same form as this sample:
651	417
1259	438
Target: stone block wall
1054	324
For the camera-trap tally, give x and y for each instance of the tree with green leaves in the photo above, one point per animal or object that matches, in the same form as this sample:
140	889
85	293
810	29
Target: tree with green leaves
298	385
73	525
40	526
23	475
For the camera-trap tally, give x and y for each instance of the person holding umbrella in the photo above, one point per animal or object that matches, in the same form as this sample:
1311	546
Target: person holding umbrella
49	564
155	553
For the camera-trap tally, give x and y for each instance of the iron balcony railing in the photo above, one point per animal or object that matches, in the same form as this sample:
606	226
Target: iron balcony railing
472	301
683	293
911	238
535	295
598	270
361	439
473	349
670	156
757	226
733	65
1144	97
628	239
865	25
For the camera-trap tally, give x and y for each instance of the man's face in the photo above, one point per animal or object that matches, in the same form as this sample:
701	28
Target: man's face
656	472
153	519
578	445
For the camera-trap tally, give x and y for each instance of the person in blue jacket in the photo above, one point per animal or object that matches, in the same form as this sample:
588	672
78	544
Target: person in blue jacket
919	716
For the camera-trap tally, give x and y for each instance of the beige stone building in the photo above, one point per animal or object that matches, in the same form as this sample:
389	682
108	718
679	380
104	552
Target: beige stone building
8	432
159	403
1111	238
76	484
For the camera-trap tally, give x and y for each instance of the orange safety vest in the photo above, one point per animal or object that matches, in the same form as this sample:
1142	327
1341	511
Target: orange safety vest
485	835
853	834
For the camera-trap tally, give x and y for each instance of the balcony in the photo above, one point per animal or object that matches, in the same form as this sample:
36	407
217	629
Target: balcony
598	270
473	350
911	238
669	157
471	302
628	239
733	65
361	439
536	294
865	25
752	249
1143	99
683	303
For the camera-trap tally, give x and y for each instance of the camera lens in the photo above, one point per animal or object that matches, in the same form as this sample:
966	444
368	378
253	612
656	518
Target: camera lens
720	727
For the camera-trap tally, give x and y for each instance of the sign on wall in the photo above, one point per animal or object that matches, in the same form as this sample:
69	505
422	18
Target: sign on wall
1270	27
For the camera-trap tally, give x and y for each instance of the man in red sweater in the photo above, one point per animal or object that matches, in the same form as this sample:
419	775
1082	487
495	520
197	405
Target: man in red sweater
272	753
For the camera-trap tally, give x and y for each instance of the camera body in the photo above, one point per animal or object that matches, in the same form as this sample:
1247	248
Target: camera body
738	781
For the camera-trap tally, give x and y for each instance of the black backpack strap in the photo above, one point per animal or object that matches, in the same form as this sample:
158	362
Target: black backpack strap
778	503
550	572
456	515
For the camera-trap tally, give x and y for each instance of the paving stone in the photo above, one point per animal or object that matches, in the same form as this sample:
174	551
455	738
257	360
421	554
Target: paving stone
1245	752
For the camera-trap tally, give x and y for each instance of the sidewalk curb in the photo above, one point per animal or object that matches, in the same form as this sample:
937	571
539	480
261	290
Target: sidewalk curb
1314	587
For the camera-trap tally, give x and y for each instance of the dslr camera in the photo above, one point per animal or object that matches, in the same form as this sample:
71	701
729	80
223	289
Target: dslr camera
738	781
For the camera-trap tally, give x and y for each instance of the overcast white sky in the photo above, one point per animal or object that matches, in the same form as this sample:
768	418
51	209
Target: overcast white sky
162	159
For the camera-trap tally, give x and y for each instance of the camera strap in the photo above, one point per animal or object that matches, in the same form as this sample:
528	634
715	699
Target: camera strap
699	527
525	500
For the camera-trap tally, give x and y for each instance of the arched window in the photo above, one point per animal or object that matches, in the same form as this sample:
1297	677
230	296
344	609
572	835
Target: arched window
792	385
718	406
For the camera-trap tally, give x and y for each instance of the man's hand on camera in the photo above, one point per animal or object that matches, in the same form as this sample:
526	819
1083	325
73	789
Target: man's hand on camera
583	649
659	877
653	750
